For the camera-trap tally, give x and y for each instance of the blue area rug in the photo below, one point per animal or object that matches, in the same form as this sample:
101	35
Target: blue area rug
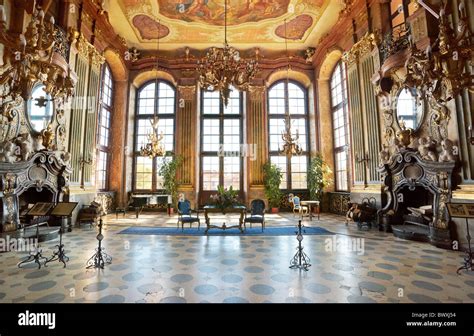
255	231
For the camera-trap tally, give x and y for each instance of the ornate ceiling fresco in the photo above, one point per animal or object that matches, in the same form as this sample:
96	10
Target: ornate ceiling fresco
200	23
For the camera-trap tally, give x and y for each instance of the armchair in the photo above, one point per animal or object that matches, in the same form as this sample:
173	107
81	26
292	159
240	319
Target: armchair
257	213
297	207
185	214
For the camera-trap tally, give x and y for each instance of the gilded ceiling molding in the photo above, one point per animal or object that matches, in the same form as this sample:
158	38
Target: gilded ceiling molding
361	48
187	92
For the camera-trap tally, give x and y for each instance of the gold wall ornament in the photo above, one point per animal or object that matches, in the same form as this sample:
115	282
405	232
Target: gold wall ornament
361	48
224	68
443	71
88	51
36	57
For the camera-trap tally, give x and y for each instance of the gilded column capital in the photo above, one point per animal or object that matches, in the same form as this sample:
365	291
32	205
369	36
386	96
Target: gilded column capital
256	92
187	92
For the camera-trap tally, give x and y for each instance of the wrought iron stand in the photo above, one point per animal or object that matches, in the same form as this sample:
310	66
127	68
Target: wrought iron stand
59	254
100	258
301	259
468	265
35	256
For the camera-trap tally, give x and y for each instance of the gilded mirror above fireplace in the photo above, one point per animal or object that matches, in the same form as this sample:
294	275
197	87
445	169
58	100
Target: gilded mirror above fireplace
410	109
40	108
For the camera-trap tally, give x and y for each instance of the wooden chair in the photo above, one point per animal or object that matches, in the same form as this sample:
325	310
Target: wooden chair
257	213
185	214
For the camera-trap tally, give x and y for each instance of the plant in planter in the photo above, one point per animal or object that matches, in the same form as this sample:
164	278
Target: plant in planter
167	171
319	177
225	198
272	181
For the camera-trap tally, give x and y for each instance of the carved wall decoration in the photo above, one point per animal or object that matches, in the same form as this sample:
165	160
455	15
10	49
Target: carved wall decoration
364	46
43	170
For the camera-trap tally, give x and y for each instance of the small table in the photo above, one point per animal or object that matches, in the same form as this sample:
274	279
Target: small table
214	209
123	211
140	201
310	204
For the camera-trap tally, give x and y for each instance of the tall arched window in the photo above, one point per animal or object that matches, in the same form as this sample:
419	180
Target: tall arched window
282	97
221	138
103	129
157	98
340	121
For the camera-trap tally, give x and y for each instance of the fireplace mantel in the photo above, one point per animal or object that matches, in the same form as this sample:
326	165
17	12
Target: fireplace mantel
406	169
46	169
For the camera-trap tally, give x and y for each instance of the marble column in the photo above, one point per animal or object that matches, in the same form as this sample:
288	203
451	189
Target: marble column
186	133
257	135
117	169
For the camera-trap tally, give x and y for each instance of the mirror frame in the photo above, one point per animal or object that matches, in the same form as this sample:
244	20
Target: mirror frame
395	108
28	106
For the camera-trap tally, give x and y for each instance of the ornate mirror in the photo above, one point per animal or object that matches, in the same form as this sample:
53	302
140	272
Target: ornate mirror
410	109
40	108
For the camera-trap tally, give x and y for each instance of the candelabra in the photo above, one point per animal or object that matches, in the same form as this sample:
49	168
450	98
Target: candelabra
301	259
60	254
35	255
100	258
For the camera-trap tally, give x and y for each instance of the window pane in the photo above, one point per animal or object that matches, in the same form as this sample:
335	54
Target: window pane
144	128
144	173
166	126
232	172
101	173
299	170
231	135
107	87
341	170
210	139
234	103
277	127
210	172
340	125
211	102
280	161
277	91
298	126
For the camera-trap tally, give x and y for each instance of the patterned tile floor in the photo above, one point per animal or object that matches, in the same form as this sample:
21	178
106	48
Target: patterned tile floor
239	269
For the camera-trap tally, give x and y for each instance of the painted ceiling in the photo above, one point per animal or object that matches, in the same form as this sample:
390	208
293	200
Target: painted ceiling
200	23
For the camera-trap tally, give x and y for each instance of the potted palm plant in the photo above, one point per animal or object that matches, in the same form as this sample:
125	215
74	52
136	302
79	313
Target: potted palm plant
272	181
167	171
319	177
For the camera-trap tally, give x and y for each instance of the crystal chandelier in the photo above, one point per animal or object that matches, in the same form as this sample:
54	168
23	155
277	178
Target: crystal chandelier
291	144
155	146
223	68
